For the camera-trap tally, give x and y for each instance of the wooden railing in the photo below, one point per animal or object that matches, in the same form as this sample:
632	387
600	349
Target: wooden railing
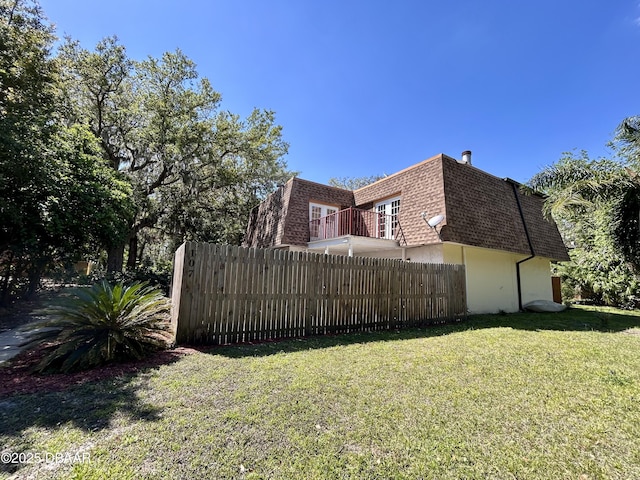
354	221
223	294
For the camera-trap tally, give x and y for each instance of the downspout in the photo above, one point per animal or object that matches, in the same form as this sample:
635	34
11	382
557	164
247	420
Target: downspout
526	232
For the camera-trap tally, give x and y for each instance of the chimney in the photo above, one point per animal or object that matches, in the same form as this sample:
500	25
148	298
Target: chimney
466	157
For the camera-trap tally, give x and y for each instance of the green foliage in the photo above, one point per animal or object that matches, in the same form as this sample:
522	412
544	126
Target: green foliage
196	171
77	206
27	93
627	141
245	166
103	324
156	274
625	223
597	270
102	153
591	201
353	183
59	199
90	205
576	183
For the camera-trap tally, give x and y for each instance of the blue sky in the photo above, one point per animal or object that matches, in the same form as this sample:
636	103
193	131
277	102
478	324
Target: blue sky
364	87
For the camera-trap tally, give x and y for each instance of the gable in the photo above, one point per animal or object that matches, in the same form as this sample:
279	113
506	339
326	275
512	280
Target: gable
304	192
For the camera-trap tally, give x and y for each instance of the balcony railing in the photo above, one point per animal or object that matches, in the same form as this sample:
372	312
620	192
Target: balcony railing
353	221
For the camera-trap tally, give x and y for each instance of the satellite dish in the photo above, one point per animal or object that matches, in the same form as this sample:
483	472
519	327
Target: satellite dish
433	221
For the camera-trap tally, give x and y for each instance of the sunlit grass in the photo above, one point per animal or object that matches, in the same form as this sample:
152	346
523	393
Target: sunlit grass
506	396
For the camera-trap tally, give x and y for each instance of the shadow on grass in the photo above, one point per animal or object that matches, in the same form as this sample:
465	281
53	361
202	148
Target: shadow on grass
573	319
90	406
601	319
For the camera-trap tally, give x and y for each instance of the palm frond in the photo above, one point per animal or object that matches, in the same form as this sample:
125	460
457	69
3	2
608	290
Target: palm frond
102	324
575	185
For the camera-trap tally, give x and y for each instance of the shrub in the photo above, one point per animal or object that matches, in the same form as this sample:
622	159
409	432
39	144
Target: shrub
102	324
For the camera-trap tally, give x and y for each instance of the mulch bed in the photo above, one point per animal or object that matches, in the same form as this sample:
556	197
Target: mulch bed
17	377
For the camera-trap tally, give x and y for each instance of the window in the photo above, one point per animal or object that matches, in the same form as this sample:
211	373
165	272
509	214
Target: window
387	218
323	221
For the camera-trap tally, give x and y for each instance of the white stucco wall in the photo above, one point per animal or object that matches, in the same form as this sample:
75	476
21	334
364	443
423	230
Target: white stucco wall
536	280
491	274
492	279
423	254
426	254
393	254
452	253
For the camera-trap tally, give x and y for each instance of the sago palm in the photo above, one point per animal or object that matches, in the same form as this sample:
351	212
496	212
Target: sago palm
102	324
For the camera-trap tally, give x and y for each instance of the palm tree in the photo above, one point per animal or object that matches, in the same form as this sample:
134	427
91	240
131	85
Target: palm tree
102	324
626	230
576	185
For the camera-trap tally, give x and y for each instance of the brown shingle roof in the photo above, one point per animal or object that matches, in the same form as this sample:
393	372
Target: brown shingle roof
480	209
266	223
296	230
421	190
283	217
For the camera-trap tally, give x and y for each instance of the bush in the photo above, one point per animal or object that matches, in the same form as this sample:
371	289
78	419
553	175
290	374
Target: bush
160	279
103	324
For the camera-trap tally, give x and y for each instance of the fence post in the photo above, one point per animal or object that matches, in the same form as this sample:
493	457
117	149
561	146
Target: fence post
176	288
186	264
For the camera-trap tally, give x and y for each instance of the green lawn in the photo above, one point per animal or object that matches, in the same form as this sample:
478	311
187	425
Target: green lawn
523	396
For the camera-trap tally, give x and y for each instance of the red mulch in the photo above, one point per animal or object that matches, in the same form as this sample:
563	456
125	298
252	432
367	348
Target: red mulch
17	378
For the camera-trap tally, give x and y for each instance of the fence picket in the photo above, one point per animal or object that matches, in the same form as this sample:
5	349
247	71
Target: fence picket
224	294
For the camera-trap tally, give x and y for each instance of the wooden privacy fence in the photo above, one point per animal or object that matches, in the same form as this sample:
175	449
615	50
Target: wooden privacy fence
225	294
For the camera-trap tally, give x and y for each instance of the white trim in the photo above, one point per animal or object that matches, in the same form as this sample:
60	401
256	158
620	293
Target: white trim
323	230
383	230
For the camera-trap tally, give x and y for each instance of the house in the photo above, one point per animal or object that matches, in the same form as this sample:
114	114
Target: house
441	210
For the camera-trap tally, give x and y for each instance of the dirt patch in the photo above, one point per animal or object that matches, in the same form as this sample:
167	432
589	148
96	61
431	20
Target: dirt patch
17	377
632	331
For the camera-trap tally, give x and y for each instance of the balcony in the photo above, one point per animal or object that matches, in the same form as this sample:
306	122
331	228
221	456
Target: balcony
351	226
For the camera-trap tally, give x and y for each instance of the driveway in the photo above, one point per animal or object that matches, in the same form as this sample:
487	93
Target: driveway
10	341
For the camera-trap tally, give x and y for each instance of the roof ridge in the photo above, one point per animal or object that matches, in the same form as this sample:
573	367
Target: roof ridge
430	159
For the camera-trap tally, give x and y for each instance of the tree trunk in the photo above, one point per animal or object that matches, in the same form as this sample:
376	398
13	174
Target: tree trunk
115	259
141	251
35	273
34	282
4	290
133	252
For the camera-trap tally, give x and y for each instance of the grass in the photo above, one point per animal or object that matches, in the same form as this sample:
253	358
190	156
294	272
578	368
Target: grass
527	396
